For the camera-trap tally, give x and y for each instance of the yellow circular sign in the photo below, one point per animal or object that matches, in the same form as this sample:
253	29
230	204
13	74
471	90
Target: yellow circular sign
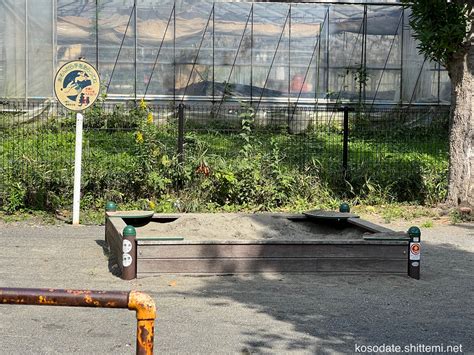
77	85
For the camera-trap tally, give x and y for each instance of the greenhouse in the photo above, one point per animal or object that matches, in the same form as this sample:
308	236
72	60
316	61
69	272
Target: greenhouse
200	50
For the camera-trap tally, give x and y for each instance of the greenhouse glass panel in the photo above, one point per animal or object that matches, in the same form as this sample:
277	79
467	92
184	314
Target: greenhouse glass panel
384	27
14	37
306	23
233	38
434	75
193	33
117	47
41	27
322	57
422	86
155	74
444	87
270	71
75	31
383	60
417	75
345	55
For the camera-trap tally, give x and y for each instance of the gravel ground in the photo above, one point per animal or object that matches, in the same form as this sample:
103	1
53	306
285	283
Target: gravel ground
246	314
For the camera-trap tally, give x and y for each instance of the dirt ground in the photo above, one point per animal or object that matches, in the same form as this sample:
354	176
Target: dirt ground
244	314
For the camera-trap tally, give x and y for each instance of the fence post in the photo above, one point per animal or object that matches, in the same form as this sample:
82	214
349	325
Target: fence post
181	133
345	139
345	145
76	201
414	249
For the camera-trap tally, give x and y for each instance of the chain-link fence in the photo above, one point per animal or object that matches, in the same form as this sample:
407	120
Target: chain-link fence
345	148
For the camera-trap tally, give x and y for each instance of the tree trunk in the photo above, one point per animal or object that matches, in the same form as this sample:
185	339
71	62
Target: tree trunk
461	137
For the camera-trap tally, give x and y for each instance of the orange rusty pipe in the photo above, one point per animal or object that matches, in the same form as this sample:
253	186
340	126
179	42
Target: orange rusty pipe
58	297
141	303
144	305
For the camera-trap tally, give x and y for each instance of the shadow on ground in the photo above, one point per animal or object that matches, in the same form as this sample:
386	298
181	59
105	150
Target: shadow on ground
112	264
335	313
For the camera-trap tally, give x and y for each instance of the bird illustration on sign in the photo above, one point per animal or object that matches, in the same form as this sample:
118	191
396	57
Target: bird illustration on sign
77	85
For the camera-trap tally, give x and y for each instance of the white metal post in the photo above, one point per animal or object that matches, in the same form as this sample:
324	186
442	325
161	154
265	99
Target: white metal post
76	204
27	54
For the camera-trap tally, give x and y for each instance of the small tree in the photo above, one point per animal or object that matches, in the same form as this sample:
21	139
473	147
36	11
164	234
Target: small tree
445	32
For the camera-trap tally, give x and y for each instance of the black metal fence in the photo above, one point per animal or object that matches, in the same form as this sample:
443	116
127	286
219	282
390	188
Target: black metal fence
37	139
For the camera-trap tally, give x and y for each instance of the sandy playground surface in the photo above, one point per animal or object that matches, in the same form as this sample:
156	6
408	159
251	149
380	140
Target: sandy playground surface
238	226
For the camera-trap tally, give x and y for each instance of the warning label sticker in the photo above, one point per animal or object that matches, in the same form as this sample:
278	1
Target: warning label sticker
415	251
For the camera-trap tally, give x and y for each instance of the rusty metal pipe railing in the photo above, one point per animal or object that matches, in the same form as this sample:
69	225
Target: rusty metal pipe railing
141	303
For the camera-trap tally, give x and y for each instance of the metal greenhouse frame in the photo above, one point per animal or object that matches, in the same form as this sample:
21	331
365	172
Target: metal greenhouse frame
181	50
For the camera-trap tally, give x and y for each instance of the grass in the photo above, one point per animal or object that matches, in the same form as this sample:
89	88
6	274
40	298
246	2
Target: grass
397	211
427	224
29	216
290	172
